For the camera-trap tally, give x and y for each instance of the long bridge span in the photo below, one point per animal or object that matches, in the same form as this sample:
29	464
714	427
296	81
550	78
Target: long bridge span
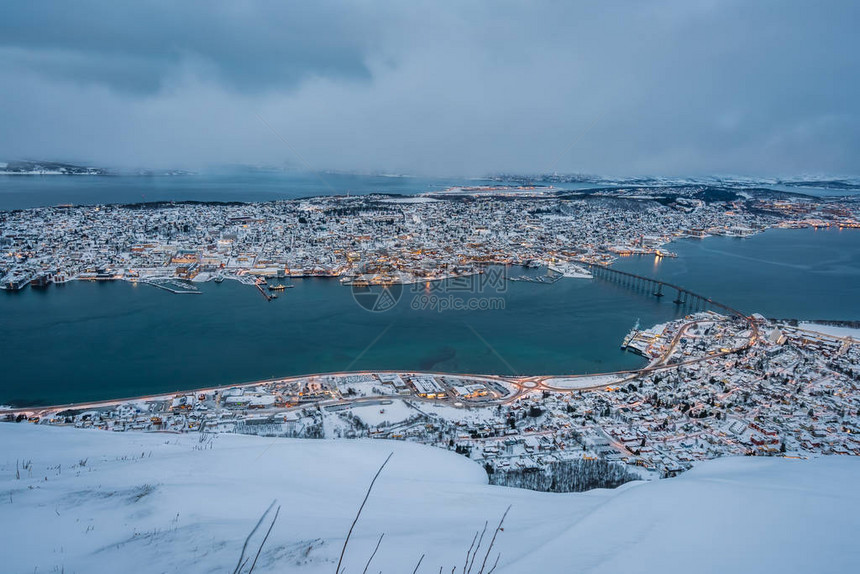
684	298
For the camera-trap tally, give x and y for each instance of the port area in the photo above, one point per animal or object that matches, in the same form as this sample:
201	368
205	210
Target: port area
554	271
547	278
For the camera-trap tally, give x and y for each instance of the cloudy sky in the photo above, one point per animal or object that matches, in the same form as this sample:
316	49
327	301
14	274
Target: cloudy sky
675	87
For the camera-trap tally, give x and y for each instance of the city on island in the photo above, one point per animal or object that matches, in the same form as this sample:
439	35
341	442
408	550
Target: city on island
379	238
717	382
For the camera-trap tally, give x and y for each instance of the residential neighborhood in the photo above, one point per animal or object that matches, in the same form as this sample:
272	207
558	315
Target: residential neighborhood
726	387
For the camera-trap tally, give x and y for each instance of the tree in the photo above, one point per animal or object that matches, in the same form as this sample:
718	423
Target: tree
575	475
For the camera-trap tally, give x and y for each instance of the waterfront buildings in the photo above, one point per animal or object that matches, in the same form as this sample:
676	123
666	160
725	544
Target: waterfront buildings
381	238
728	387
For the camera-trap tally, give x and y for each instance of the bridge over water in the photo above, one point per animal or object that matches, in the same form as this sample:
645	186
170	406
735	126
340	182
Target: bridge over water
683	297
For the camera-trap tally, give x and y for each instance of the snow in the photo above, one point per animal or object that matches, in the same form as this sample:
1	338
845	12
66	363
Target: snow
729	515
366	388
582	382
156	502
409	200
832	330
475	415
374	415
571	270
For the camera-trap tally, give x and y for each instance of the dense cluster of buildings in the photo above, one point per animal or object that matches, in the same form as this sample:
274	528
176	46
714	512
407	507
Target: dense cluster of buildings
396	238
715	386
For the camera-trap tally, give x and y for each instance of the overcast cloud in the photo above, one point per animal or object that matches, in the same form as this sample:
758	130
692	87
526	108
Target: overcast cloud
677	87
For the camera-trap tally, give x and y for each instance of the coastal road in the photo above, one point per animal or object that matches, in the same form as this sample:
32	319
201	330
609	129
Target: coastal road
520	386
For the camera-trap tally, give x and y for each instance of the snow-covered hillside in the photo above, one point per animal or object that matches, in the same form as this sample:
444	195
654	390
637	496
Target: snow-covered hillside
92	502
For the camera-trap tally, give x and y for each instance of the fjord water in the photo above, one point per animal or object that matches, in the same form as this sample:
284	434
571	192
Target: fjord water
25	191
85	341
782	273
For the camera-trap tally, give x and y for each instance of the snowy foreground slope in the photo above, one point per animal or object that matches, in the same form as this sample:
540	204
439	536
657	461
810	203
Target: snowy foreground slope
169	503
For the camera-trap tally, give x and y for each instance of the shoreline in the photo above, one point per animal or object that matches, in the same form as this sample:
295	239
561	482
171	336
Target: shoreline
135	281
522	384
511	424
245	275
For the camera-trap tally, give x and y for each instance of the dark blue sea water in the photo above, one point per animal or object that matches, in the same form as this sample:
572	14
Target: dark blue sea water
87	341
22	191
98	340
95	340
783	273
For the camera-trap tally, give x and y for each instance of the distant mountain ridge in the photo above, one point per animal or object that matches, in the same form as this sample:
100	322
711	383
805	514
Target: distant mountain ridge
734	182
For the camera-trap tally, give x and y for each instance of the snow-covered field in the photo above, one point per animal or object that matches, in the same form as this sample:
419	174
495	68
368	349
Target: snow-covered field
93	501
375	415
832	330
582	382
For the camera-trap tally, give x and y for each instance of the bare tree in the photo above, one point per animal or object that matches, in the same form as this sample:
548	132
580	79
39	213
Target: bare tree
492	542
266	537
378	542
480	540
242	563
417	566
358	514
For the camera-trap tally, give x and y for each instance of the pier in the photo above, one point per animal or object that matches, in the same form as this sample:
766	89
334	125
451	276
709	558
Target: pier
548	278
173	285
260	286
